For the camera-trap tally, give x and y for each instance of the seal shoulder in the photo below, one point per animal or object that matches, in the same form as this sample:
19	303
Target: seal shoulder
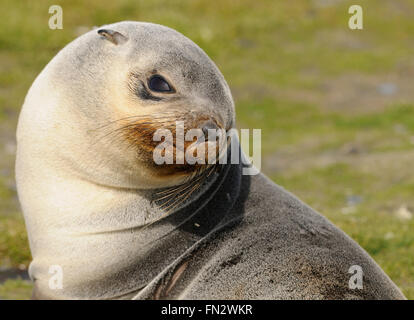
283	249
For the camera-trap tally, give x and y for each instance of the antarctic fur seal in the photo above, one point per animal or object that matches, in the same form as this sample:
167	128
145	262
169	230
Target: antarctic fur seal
86	184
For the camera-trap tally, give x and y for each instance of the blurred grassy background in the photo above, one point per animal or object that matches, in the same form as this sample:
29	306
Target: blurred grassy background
335	106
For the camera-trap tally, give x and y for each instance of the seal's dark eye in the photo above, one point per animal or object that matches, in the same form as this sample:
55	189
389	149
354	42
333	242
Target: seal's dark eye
159	84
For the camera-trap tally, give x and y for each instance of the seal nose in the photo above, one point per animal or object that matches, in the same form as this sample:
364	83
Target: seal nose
208	125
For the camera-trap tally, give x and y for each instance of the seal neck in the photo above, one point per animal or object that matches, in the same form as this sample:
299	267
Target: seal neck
118	262
209	210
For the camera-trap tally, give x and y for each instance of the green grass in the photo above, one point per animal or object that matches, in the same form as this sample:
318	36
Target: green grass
14	251
15	290
324	138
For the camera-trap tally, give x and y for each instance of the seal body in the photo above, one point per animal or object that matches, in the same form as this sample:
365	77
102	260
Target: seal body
87	182
272	246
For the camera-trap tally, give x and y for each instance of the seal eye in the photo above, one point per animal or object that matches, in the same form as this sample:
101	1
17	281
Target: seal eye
159	84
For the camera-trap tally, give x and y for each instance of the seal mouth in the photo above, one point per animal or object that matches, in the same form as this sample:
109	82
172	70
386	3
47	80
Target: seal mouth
139	133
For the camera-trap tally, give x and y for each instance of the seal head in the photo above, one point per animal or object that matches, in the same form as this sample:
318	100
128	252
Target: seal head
85	171
111	89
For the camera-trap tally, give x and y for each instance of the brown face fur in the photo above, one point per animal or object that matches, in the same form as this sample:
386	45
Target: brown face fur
139	134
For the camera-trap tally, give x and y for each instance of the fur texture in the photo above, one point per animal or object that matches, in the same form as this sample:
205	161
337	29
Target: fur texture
87	187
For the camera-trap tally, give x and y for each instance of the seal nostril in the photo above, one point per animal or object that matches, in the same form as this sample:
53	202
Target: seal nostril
208	125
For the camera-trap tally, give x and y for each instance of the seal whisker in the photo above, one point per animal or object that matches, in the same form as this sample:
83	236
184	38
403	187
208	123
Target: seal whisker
195	183
175	191
166	115
177	200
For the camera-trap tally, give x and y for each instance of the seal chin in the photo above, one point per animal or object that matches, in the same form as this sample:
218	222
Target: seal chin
199	157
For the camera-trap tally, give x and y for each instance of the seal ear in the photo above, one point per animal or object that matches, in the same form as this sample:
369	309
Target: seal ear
114	36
